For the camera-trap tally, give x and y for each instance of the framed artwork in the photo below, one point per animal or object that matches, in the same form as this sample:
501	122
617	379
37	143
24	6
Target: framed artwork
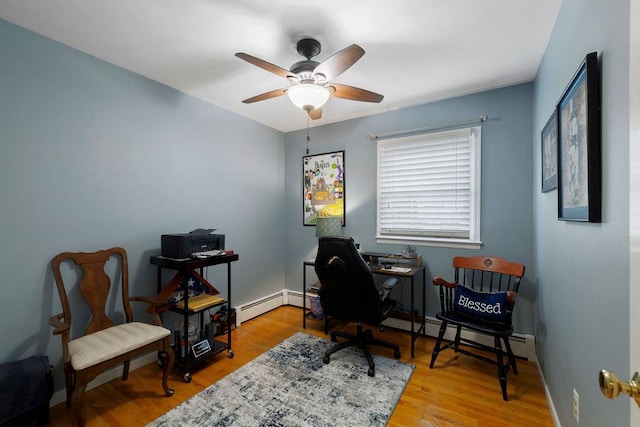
579	155
323	186
549	136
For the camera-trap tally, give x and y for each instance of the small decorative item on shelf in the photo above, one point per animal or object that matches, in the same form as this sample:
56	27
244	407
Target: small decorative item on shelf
409	252
219	320
192	331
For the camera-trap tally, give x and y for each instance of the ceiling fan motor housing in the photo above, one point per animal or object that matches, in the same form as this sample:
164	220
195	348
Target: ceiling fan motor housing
308	48
304	69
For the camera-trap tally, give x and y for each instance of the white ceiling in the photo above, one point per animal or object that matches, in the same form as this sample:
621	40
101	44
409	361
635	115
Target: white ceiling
417	51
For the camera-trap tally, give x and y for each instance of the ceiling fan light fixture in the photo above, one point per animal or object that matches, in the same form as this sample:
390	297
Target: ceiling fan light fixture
308	96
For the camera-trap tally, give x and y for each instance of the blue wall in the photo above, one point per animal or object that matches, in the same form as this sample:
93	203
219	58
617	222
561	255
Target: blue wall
583	269
507	210
93	156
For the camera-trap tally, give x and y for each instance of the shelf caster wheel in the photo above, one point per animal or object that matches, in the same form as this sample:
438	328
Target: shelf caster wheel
396	354
230	354
371	372
187	377
325	360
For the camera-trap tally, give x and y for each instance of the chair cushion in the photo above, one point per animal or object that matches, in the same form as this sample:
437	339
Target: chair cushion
487	306
103	345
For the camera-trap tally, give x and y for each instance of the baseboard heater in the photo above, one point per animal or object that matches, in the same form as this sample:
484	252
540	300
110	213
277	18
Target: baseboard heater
257	307
523	344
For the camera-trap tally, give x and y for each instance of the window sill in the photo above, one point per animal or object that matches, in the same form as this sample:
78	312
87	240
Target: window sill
430	241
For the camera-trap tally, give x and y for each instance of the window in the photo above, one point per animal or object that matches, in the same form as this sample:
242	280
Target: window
429	189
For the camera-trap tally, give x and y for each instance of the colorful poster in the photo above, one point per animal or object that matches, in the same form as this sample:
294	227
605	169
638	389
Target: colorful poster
323	186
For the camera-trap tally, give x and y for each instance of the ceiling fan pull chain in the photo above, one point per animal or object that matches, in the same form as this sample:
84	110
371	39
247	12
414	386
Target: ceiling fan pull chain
308	138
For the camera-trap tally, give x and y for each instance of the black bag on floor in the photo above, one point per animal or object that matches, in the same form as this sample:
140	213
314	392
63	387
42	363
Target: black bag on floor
27	387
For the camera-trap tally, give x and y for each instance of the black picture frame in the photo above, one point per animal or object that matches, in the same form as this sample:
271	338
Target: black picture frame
323	186
579	146
549	142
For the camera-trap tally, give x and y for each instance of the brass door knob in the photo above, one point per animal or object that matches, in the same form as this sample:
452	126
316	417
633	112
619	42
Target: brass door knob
611	386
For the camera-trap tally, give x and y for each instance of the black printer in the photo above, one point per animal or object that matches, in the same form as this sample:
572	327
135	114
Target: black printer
184	244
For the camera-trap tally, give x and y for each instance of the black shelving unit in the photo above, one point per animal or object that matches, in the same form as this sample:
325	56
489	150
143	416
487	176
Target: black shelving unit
185	358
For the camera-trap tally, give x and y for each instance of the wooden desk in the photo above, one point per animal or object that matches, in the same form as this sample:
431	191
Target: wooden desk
410	275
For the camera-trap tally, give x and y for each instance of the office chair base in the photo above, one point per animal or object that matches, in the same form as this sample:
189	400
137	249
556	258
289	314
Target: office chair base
362	339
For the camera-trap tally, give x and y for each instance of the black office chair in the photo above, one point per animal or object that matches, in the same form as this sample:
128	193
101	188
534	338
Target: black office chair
348	292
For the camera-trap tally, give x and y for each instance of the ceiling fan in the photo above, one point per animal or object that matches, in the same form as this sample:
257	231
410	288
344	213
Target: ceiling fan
312	81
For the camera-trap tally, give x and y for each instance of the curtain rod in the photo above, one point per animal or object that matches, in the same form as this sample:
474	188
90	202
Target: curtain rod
375	137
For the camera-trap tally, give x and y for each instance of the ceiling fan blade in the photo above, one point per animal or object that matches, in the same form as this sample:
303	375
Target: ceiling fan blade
339	62
266	95
315	114
354	93
278	71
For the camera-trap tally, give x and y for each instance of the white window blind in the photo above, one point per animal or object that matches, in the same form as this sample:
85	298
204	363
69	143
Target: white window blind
429	186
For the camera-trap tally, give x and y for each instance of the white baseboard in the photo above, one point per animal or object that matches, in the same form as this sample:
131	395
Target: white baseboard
294	298
547	393
523	345
260	306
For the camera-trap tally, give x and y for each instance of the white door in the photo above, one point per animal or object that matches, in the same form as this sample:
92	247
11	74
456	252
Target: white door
634	200
634	214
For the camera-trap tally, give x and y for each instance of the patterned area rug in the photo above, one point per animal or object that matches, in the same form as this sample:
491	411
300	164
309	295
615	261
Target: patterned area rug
290	386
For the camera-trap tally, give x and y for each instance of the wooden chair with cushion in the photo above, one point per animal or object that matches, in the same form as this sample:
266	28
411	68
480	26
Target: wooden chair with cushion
480	299
104	343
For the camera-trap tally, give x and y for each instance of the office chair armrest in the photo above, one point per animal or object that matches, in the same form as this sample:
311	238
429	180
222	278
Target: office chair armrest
387	286
390	283
387	303
58	324
439	281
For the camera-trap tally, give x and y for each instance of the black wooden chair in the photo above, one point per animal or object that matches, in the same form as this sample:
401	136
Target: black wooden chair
481	299
348	292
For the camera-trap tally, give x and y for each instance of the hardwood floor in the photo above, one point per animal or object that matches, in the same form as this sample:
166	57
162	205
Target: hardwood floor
459	391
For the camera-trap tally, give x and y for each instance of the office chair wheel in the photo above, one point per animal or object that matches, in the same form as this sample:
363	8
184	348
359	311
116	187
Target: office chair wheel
187	377
334	338
396	354
371	372
326	359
